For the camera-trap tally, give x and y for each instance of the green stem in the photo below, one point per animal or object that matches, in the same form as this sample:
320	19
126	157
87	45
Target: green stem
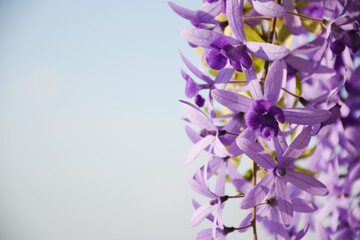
323	22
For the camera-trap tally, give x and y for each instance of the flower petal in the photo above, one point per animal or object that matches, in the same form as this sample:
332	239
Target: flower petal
184	12
208	12
273	81
305	182
267	51
220	181
196	205
296	148
203	37
284	201
216	59
201	213
302	205
292	22
269	8
223	77
231	100
237	179
305	116
258	193
219	149
197	117
198	148
203	190
256	152
253	83
234	9
195	70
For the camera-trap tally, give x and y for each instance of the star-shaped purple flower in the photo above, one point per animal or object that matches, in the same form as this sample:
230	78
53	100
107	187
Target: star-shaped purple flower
261	113
280	173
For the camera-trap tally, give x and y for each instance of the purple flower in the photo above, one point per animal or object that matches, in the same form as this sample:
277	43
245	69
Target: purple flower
199	185
280	173
262	113
222	51
264	116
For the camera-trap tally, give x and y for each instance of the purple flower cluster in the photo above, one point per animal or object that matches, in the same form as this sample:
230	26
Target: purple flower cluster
282	84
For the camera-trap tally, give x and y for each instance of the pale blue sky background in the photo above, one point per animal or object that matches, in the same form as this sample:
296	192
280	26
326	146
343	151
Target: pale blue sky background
92	143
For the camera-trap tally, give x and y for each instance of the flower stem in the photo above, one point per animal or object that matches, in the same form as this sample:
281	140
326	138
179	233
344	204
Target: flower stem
237	82
292	94
270	40
241	228
322	21
256	18
253	221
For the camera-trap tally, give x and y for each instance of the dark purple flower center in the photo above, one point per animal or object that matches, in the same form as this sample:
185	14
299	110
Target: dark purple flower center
222	51
199	100
271	201
280	172
204	132
263	116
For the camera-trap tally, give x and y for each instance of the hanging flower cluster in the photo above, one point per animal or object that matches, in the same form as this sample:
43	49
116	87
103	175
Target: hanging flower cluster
280	90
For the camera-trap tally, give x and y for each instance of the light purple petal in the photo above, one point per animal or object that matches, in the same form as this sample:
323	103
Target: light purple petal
269	8
231	100
330	93
203	37
234	150
285	207
194	137
220	181
329	7
258	193
280	145
237	180
267	51
195	70
197	117
296	148
219	149
234	9
184	12
273	81
300	64
305	116
292	22
305	182
212	167
302	205
216	60
207	234
196	205
275	224
198	148
223	77
201	213
203	190
321	51
256	152
302	233
208	12
245	222
253	83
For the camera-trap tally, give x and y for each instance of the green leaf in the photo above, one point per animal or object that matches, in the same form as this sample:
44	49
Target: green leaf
283	32
248	175
292	136
258	63
307	153
311	26
252	35
304	170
